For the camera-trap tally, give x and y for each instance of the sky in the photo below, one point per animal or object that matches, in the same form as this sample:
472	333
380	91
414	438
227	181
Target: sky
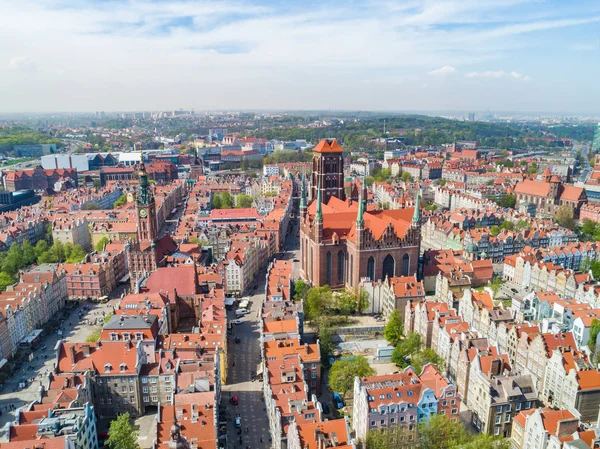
470	55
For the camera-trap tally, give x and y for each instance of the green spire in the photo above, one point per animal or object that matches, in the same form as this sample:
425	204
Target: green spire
144	194
302	193
417	215
360	220
319	214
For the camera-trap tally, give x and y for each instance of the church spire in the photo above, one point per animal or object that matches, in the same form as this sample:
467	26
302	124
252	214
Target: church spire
319	214
302	193
417	215
144	194
360	220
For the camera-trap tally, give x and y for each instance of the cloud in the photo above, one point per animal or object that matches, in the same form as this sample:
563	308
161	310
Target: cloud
446	70
22	63
498	74
114	54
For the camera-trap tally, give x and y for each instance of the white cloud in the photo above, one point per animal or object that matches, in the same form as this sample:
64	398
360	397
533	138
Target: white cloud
498	74
446	70
22	63
124	55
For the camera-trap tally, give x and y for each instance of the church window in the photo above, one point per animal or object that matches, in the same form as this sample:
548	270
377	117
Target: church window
388	267
405	264
340	266
371	268
351	267
329	268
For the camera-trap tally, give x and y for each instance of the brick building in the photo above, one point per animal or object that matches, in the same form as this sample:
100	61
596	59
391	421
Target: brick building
149	252
38	178
344	241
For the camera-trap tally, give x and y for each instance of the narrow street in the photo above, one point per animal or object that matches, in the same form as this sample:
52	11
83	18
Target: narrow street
244	358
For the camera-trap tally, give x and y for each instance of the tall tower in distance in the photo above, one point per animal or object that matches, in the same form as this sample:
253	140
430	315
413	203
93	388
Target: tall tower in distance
328	170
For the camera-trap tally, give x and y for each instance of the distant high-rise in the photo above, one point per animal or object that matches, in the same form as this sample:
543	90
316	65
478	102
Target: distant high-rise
471	116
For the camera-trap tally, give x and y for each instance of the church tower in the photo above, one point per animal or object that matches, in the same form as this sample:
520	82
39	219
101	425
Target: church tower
145	208
328	170
197	167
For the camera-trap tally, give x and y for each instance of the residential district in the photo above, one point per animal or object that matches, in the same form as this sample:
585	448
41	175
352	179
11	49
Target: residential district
221	299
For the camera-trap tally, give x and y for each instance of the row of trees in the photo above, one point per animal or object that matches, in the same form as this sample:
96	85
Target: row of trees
437	432
20	256
319	301
408	350
224	200
322	307
9	137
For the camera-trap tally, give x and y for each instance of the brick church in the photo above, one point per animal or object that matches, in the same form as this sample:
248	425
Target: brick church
148	252
343	241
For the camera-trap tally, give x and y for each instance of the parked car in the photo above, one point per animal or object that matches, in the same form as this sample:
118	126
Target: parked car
235	400
238	321
238	421
238	339
337	399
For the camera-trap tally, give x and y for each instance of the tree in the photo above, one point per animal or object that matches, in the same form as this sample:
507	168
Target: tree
343	372
301	288
222	200
6	280
75	253
317	300
101	243
325	342
243	201
406	348
407	177
564	216
522	225
485	441
120	201
423	357
369	180
438	432
28	256
507	225
494	231
121	434
496	284
394	328
41	247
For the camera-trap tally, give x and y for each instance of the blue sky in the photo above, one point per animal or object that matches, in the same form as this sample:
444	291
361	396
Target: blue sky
471	55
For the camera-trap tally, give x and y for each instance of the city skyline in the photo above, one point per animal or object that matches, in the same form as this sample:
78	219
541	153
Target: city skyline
516	55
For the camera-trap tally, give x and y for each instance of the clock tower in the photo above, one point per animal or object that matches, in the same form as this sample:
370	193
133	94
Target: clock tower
145	208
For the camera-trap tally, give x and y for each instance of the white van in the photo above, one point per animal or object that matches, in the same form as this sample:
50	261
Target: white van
241	312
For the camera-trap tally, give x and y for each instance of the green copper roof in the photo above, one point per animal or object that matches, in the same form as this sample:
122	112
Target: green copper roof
319	214
417	215
360	220
302	193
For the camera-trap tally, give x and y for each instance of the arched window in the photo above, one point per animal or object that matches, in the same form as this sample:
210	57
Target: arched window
351	267
388	268
371	268
340	266
405	264
329	269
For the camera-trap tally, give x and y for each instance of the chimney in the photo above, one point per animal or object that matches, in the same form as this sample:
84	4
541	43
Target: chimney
86	350
72	354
